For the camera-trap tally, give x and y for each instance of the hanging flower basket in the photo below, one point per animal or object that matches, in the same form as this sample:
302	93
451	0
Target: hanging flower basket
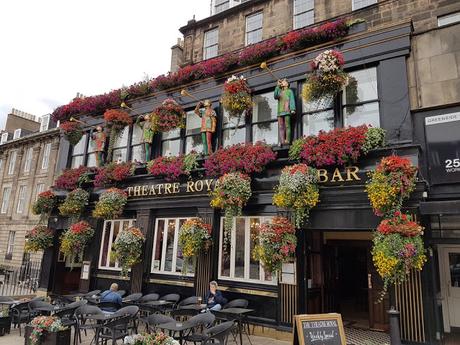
42	326
236	98
39	238
390	184
116	120
231	194
194	237
46	202
72	131
73	178
297	190
74	203
401	224
172	168
168	116
276	244
74	240
127	248
327	77
112	173
111	204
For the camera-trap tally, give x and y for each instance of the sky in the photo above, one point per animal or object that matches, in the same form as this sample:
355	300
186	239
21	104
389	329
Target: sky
52	49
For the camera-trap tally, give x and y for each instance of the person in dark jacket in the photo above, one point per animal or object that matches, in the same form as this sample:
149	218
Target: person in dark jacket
112	296
214	299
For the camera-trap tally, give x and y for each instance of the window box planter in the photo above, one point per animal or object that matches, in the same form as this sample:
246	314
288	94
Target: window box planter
5	325
54	338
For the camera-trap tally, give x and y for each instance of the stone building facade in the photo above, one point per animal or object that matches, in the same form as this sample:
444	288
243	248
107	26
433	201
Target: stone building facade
27	168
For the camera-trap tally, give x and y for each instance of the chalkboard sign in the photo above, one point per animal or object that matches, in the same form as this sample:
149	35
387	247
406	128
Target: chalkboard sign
319	329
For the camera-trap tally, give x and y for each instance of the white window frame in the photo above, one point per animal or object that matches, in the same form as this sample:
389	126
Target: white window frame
109	247
295	14
206	47
164	245
17	133
28	160
44	123
10	244
46	156
4	138
246	27
449	19
39	189
247	254
354	7
21	198
5	199
12	162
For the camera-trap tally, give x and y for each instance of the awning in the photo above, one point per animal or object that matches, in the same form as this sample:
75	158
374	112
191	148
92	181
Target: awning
440	207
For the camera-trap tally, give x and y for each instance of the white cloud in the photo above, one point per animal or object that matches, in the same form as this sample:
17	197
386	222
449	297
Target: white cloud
52	49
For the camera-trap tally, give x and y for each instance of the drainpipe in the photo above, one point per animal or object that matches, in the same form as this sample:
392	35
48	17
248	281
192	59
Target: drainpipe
395	335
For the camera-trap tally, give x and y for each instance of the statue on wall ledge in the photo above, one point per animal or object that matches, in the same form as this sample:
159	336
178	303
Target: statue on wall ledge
98	139
145	123
286	108
208	124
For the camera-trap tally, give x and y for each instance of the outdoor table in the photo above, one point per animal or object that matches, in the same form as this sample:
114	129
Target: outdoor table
195	307
175	326
239	315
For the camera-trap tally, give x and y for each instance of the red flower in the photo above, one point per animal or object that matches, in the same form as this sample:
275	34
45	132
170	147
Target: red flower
113	172
117	117
70	179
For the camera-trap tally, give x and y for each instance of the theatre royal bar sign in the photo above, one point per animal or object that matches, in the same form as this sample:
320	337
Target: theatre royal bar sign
350	174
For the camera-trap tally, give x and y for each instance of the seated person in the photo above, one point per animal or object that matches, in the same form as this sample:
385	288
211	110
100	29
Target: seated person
111	296
214	299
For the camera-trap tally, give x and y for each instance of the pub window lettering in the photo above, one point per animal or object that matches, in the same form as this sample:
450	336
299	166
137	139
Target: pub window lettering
236	262
109	235
167	255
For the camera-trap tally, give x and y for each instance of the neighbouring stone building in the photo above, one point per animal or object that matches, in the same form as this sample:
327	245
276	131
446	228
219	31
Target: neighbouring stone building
28	155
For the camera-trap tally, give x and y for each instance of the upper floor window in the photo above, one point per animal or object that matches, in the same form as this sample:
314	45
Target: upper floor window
12	162
21	199
44	122
10	245
78	153
28	161
137	150
304	13
39	189
4	138
5	199
236	262
167	255
120	147
17	133
449	19
109	235
211	43
233	132
221	5
357	4
254	24
170	143
193	139
264	118
46	156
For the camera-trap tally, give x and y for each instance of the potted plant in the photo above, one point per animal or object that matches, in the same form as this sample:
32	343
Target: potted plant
71	179
39	238
110	204
74	240
236	98
276	243
46	202
297	190
74	203
168	116
112	173
46	330
172	168
127	248
158	338
194	237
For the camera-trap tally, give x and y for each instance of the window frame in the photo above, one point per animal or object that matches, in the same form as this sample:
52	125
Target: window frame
245	124
206	47
246	32
46	156
17	133
44	123
12	162
131	222
125	146
180	138
253	123
84	153
5	200
132	145
355	8
39	189
4	138
10	245
247	254
161	270
296	15
448	19
186	136
28	159
222	4
21	199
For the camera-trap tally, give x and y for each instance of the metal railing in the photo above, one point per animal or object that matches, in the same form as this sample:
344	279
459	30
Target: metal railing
20	280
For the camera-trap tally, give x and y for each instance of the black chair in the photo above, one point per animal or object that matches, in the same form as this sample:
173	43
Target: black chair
218	334
148	298
182	314
35	304
20	313
199	323
131	311
81	315
109	306
172	297
188	301
154	320
237	303
92	293
114	329
67	316
134	297
121	292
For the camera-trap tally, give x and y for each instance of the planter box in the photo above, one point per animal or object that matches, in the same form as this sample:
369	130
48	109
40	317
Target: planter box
55	338
5	325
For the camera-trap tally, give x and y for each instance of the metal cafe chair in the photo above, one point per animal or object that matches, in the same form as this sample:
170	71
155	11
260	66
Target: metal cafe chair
148	298
131	311
172	297
109	306
188	301
81	317
236	303
121	292
34	305
20	313
154	320
218	334
199	323
134	297
113	330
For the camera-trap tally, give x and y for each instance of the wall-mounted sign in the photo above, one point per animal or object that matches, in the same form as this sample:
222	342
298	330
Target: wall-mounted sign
443	144
324	329
85	270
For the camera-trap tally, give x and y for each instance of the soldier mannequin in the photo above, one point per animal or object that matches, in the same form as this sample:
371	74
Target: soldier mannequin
98	145
144	122
286	108
208	124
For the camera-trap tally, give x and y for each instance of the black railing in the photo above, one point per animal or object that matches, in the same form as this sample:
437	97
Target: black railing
20	280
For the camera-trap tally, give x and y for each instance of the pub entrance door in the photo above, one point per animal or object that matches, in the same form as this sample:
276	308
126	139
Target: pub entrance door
449	262
352	286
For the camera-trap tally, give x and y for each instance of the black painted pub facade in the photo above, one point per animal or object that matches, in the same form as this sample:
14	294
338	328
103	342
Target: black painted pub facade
333	271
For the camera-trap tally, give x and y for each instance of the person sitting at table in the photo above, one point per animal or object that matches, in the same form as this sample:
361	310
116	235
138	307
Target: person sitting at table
214	299
111	296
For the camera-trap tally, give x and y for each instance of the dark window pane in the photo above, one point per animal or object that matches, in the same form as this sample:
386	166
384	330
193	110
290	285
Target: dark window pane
366	114
315	122
265	131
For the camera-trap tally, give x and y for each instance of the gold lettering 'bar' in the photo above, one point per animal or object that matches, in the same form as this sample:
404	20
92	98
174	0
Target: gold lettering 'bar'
346	175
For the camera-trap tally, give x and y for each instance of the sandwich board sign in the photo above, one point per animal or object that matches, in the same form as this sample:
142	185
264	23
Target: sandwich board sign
318	329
